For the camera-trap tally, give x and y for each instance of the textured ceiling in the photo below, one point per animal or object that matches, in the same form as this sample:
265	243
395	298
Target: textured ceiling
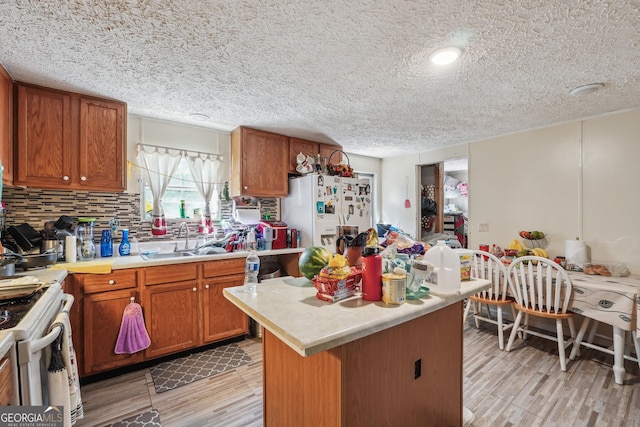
349	71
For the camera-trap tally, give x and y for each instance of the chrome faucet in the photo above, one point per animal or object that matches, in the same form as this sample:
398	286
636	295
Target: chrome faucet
186	235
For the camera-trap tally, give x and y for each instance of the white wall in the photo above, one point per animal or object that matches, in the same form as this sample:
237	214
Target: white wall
572	180
395	171
174	135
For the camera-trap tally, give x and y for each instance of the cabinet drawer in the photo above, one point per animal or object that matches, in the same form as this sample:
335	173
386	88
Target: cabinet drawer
224	267
171	273
123	279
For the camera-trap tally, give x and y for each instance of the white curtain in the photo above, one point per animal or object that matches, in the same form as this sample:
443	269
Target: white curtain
207	175
158	165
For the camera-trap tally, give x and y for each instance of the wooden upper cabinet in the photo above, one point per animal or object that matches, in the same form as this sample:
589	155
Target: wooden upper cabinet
311	148
259	163
326	150
44	152
102	154
69	141
6	126
297	146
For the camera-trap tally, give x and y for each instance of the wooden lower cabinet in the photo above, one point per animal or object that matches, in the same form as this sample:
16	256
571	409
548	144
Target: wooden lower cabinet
102	319
371	381
182	304
6	382
172	317
222	319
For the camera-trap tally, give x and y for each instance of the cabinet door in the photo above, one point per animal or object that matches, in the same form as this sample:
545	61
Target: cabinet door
6	126
326	150
102	144
172	317
261	163
45	138
222	319
6	383
102	320
297	146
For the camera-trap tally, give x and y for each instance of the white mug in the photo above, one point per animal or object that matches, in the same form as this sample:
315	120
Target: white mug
301	158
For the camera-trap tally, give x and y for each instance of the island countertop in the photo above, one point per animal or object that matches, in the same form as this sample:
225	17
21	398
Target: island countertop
289	309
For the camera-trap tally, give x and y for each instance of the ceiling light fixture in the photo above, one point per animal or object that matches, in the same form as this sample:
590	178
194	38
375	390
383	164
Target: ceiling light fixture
199	117
445	55
583	90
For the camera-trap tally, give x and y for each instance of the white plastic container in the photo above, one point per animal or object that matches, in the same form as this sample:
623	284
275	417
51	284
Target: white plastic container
446	269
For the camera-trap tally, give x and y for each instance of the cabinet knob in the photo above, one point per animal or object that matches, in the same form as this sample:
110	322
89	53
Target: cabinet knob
246	188
206	286
112	282
65	178
83	178
195	289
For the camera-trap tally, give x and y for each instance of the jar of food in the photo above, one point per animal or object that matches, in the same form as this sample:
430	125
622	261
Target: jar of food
394	288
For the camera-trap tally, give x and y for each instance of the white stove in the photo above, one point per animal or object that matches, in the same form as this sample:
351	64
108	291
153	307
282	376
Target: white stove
32	336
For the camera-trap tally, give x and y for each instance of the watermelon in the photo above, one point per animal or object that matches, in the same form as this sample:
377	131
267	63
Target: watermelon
312	260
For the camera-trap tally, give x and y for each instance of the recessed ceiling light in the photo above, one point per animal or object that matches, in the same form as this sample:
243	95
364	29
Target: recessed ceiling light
199	117
583	90
445	55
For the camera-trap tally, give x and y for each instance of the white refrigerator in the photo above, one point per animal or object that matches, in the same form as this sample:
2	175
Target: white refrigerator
318	205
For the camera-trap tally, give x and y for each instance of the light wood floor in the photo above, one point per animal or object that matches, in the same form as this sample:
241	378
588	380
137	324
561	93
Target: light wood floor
522	388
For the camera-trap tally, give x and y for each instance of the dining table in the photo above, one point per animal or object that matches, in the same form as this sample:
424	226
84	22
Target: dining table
611	300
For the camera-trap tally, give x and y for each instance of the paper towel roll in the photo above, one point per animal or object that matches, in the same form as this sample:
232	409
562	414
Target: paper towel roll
70	249
575	251
247	215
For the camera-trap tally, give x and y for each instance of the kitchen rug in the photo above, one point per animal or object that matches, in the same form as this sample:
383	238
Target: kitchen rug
185	370
146	419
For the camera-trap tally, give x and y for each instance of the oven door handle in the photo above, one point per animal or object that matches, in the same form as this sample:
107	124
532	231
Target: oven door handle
40	343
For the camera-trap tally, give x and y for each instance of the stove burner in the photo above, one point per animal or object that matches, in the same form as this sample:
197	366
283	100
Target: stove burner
4	316
12	311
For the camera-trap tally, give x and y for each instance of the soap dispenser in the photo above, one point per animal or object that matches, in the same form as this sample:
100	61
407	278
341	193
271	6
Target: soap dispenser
125	246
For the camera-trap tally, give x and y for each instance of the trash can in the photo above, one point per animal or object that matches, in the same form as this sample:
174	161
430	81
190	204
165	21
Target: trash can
268	270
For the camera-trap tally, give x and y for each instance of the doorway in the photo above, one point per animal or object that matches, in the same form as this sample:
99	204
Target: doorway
443	212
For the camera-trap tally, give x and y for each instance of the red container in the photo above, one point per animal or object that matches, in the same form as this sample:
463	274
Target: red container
280	235
371	274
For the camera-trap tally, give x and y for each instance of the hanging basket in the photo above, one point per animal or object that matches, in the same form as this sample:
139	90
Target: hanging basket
340	169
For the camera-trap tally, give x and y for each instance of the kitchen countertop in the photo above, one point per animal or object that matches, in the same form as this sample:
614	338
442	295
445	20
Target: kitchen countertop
289	309
136	261
6	342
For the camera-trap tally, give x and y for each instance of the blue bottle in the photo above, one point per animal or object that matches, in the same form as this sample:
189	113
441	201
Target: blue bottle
125	246
106	244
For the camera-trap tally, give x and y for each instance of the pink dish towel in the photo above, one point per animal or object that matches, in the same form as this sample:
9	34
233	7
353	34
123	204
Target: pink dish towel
133	336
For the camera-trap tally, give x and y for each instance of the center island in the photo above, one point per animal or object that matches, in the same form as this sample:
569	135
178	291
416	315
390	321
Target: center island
356	362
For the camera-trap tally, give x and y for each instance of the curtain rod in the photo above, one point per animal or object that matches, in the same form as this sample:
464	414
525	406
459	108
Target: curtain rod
180	150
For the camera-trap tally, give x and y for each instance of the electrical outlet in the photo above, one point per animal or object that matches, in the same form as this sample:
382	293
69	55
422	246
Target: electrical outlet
483	226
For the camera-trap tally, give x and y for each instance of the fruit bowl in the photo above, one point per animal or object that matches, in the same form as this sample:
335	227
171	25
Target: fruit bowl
536	243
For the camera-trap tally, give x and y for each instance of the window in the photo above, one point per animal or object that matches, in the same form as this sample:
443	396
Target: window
178	184
180	187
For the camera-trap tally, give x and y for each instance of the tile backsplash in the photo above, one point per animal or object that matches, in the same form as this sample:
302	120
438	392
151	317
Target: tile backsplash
36	207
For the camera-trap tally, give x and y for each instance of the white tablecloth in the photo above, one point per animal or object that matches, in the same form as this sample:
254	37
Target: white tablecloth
612	300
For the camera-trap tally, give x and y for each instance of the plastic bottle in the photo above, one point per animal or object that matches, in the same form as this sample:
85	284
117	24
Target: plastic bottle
106	244
252	267
371	274
252	245
125	246
447	268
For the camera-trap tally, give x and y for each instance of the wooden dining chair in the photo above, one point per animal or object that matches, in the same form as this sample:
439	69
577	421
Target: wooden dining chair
542	289
487	266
